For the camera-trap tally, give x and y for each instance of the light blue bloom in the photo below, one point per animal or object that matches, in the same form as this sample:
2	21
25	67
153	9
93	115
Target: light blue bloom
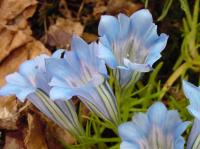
159	128
193	94
31	82
130	44
80	73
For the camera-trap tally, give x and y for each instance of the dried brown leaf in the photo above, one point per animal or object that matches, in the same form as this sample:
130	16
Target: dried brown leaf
125	6
35	135
14	29
59	35
8	113
14	140
9	9
60	134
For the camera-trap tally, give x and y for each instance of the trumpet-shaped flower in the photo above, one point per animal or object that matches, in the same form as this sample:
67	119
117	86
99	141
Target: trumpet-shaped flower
159	128
80	73
193	94
31	82
130	44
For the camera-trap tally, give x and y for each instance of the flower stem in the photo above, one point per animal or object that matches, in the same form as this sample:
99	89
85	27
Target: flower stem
173	78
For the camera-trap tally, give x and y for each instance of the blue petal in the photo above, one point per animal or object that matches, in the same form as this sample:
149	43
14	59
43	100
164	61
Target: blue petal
105	42
108	26
156	48
194	133
141	121
42	80
96	80
102	69
17	85
9	89
24	93
57	67
141	21
193	94
172	117
137	67
96	62
179	143
58	53
128	132
57	82
61	93
20	92
107	55
40	62
150	36
17	79
28	69
73	61
81	48
181	128
157	114
128	145
124	22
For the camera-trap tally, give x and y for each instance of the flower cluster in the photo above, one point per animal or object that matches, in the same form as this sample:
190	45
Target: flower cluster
129	46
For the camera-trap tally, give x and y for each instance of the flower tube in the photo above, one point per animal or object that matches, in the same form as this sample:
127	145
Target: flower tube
80	73
130	45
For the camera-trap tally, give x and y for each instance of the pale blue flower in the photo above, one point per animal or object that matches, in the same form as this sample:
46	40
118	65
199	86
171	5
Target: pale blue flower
159	128
80	73
130	43
193	94
31	82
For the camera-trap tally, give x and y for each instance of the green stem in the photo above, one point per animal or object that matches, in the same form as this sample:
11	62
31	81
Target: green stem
173	78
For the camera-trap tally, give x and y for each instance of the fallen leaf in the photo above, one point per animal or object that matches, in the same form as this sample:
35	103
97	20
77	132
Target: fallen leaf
14	28
89	37
14	140
34	137
8	114
59	34
127	7
60	134
9	9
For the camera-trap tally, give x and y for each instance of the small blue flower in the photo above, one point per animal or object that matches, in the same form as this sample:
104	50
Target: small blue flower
157	129
80	73
193	94
130	44
32	82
